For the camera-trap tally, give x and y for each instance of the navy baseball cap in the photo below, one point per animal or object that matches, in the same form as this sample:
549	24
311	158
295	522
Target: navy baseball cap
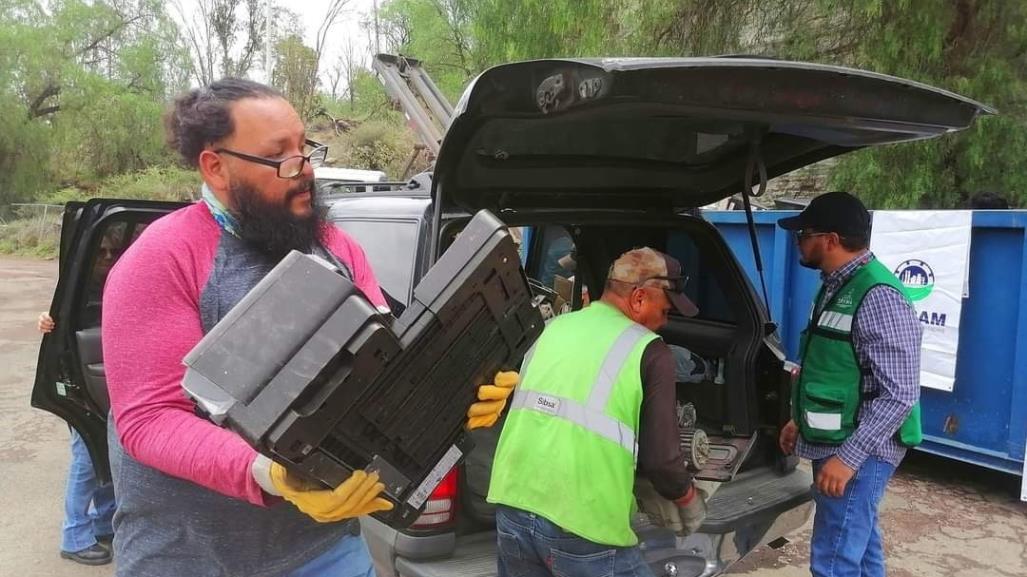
837	212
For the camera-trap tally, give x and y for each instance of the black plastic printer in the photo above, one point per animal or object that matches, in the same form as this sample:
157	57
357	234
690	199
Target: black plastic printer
313	376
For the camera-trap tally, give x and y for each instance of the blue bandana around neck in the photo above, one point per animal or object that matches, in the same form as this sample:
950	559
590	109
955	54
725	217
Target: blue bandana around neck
222	216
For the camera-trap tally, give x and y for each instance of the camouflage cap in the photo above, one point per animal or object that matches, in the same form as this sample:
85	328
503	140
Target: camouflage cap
648	267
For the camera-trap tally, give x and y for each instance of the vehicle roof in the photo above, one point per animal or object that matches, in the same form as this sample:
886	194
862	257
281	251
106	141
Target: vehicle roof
378	206
348	174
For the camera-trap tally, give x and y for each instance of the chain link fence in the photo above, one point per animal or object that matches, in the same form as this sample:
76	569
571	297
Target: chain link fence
31	229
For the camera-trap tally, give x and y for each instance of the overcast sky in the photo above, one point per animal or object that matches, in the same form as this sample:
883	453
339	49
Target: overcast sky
312	13
348	25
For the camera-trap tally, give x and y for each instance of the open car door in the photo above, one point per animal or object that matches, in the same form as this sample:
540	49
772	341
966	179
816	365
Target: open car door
70	380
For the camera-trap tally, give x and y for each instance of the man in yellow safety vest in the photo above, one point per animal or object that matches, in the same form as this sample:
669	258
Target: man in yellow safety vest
595	381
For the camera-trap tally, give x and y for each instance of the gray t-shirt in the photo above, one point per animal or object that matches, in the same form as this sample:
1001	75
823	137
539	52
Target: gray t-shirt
171	527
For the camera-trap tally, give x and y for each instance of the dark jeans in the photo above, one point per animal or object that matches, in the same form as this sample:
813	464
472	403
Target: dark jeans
531	546
846	539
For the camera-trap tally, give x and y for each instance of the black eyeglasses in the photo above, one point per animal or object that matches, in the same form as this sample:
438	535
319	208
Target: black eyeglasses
287	167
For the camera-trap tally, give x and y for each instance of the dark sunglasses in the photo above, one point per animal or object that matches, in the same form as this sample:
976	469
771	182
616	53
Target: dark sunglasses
803	234
676	284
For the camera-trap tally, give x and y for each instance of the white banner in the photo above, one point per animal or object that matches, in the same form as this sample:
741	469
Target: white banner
1023	482
929	251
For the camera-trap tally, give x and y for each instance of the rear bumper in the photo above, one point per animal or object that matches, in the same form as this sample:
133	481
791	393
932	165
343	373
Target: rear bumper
474	556
388	546
756	508
398	555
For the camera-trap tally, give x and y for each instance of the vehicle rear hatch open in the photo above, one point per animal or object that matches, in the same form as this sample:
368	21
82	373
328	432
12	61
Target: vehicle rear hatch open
671	133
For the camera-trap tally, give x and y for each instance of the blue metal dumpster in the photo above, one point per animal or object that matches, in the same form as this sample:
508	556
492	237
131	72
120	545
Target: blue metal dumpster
984	419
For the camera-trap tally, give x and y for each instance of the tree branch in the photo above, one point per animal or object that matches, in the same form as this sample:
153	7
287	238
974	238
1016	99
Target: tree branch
35	111
45	111
96	41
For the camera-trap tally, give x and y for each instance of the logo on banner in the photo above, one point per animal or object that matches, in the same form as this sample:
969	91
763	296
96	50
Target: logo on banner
918	278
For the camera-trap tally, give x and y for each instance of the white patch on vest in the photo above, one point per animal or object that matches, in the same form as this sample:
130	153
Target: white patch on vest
824	421
547	404
837	321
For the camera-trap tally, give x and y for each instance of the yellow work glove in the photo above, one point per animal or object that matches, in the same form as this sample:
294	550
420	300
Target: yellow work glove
355	497
491	400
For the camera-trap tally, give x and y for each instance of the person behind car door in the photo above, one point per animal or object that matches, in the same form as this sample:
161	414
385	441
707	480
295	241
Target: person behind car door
194	498
855	408
87	532
565	466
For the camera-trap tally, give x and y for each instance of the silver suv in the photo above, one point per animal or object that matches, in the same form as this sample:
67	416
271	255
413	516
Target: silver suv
590	157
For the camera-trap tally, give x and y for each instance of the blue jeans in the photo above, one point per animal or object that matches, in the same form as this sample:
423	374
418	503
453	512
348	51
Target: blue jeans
531	546
846	539
349	558
88	507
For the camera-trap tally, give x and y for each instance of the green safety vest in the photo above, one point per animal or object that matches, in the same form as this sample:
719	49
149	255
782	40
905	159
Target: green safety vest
826	402
568	449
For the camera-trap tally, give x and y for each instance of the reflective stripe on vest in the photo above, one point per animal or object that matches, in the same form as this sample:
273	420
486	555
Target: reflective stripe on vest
590	416
837	321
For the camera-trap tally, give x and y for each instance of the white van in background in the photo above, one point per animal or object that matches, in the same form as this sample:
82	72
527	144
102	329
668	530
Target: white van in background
332	182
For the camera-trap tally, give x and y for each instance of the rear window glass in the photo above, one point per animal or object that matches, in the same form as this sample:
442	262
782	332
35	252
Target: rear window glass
555	255
703	285
391	248
677	140
114	237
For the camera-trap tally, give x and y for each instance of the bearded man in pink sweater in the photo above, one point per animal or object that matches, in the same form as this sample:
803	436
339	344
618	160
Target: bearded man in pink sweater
194	498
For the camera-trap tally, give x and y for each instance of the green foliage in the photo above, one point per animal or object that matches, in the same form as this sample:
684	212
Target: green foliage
23	153
83	82
440	34
111	132
29	231
369	101
82	87
375	145
154	183
33	236
977	48
295	74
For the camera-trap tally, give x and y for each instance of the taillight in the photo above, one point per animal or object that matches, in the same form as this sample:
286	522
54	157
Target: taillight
440	509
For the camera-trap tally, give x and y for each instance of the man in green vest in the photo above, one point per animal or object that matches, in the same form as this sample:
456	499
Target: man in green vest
595	381
855	407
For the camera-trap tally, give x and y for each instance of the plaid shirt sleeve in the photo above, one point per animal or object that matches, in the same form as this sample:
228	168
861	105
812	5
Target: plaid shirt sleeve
886	336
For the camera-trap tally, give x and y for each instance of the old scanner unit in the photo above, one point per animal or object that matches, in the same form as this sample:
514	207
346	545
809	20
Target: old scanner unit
312	375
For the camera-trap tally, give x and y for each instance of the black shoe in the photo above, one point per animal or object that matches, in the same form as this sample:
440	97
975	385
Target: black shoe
106	540
97	554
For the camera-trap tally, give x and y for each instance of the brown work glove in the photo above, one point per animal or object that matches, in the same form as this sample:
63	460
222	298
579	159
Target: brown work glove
683	516
692	508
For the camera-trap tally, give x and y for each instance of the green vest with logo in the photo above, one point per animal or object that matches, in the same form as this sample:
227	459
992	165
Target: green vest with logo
827	399
568	448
